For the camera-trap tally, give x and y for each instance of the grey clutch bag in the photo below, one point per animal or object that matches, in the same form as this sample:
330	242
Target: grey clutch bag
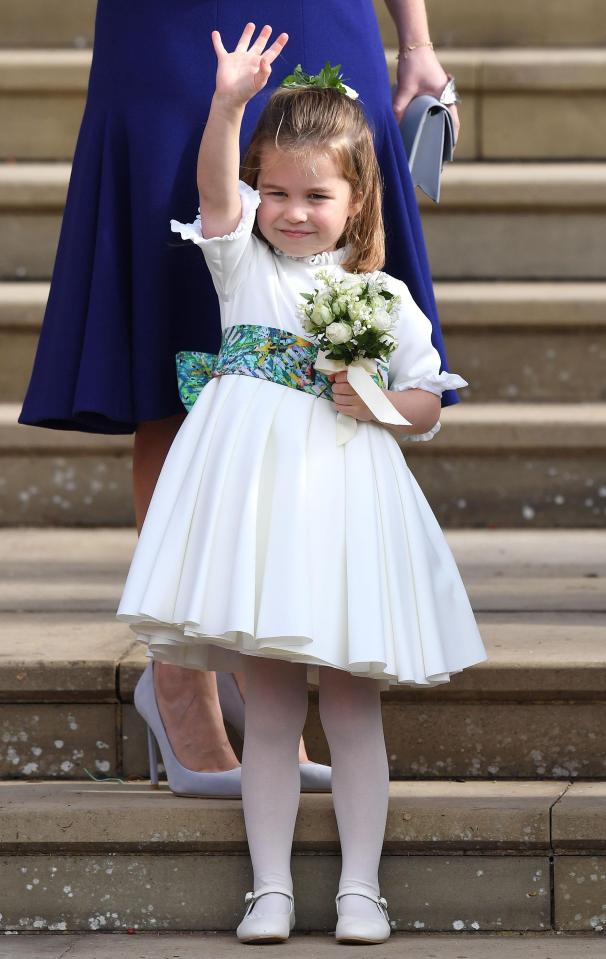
428	136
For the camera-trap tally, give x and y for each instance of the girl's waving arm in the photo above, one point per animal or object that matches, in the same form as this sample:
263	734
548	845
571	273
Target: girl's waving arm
240	75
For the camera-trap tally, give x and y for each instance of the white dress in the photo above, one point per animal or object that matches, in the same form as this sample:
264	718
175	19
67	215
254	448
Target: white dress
264	537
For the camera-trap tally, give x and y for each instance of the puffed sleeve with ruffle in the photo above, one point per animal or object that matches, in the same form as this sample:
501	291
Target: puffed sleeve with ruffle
415	364
229	258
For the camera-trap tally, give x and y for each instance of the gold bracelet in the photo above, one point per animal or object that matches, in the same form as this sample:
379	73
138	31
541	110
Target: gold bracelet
413	46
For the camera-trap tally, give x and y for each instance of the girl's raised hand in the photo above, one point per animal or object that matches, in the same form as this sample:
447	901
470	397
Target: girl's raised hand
246	70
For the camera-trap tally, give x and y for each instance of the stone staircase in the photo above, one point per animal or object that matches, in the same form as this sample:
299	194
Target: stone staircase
498	802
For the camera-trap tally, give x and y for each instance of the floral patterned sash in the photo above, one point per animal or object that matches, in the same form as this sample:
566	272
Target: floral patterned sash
261	351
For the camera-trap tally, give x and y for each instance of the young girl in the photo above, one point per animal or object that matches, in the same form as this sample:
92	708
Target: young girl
316	559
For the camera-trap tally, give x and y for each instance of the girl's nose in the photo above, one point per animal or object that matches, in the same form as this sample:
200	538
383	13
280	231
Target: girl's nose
296	214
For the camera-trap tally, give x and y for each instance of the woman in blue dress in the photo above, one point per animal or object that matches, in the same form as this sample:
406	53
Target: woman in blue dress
125	297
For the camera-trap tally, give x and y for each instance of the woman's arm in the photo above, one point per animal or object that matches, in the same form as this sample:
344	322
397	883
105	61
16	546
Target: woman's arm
420	70
240	75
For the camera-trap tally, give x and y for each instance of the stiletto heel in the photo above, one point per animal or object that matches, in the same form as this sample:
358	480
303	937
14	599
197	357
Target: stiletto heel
182	781
153	759
315	777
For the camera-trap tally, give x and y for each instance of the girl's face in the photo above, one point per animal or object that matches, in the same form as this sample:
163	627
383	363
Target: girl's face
305	205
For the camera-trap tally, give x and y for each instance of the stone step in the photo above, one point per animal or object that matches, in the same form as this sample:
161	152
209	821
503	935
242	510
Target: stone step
562	326
529	104
536	708
506	856
495	220
70	23
82	570
516	103
497	464
488	857
517	23
530	945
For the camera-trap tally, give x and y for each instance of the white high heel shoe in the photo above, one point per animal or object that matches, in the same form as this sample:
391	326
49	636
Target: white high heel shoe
273	928
315	777
182	781
363	929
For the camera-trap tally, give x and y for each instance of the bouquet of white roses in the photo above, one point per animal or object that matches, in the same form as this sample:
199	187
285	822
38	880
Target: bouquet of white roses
352	320
352	317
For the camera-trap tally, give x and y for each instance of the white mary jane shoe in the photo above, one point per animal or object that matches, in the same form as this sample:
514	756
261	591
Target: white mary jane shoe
363	929
274	928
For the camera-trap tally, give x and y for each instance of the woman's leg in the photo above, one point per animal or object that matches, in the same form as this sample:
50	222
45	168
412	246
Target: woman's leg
187	698
276	707
350	710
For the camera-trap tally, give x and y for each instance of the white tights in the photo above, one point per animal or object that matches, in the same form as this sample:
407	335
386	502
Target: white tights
350	710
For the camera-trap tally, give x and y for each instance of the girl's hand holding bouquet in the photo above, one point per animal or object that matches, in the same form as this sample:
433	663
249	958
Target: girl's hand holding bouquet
352	320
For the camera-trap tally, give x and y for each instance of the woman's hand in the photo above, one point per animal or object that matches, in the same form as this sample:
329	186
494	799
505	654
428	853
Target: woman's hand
244	72
346	399
418	73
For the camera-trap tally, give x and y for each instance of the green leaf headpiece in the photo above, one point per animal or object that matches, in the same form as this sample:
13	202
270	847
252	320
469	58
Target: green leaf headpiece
329	78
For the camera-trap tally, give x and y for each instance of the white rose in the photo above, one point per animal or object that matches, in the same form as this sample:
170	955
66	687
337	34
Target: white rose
338	333
358	310
321	315
381	321
339	307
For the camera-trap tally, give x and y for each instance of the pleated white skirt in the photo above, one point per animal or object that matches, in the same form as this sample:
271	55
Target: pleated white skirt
264	537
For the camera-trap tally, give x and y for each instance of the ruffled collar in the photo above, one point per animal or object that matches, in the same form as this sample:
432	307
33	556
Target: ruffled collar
317	259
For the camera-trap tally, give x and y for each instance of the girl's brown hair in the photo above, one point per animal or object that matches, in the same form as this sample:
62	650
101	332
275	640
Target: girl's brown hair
303	121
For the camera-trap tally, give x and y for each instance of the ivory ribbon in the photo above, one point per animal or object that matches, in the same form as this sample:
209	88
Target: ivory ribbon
359	374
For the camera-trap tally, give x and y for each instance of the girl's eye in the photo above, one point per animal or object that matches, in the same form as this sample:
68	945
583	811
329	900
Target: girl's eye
318	196
275	193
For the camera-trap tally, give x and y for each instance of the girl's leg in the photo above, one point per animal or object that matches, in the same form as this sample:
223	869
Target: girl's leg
187	698
350	710
276	707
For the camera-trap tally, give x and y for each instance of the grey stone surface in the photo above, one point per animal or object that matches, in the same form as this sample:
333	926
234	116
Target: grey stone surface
517	23
427	816
300	946
555	362
55	118
66	489
580	893
514	244
579	818
146	892
500	740
544	489
488	739
57	740
47	23
524	126
61	657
